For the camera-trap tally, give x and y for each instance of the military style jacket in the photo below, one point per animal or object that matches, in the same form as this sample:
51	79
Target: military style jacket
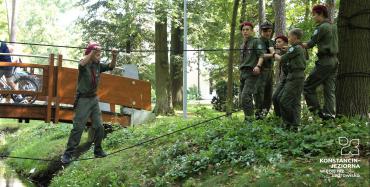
252	50
283	67
325	37
266	44
89	77
294	61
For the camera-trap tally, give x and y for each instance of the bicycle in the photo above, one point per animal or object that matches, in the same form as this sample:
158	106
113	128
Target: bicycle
24	83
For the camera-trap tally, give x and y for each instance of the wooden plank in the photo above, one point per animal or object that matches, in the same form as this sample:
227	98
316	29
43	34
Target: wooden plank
66	115
112	108
125	91
50	88
112	89
22	65
45	80
37	112
68	78
20	92
57	88
22	111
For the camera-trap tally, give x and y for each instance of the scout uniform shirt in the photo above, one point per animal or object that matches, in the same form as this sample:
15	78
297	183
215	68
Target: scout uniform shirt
252	50
326	38
295	62
89	77
266	44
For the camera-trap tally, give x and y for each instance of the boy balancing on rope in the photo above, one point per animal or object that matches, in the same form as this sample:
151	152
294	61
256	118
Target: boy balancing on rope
290	96
87	103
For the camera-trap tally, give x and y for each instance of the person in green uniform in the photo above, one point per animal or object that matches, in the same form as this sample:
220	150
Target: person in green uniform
264	85
290	97
87	102
251	59
281	43
325	71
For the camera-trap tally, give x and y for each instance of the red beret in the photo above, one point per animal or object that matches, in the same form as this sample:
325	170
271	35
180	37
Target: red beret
284	38
90	47
320	9
246	23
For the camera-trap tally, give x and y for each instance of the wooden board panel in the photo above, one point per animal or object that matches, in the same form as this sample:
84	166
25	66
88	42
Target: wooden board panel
37	112
22	65
66	115
67	90
125	91
22	111
50	89
112	89
20	92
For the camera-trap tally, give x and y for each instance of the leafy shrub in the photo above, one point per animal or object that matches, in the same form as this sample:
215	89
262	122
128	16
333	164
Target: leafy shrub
219	101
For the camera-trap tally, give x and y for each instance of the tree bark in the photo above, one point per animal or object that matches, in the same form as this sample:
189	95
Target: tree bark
243	12
280	26
199	76
353	81
230	81
13	25
162	73
331	9
280	21
261	11
176	64
307	10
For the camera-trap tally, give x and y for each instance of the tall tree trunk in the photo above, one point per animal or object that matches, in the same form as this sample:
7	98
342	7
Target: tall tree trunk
162	73
261	11
353	81
199	73
13	26
307	10
243	11
280	21
280	26
230	95
331	9
176	64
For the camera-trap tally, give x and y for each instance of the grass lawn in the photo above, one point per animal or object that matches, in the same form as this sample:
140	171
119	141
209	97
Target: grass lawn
223	152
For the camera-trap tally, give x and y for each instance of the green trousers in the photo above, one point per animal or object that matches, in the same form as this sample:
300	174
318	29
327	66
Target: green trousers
322	75
86	107
247	89
289	100
276	96
263	97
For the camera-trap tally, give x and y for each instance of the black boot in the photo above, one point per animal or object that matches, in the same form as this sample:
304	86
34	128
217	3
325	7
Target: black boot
325	116
100	154
66	158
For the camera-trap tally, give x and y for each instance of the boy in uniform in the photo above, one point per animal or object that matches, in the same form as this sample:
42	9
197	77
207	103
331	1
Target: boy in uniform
290	96
250	68
280	43
325	70
264	85
87	102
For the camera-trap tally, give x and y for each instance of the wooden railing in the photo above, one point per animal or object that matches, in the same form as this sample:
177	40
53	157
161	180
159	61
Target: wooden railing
59	87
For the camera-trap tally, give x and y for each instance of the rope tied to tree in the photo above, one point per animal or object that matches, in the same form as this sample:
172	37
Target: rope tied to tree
348	20
348	23
353	74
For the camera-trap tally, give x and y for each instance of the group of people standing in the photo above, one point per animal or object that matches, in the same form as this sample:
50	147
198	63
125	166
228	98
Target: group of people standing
258	56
